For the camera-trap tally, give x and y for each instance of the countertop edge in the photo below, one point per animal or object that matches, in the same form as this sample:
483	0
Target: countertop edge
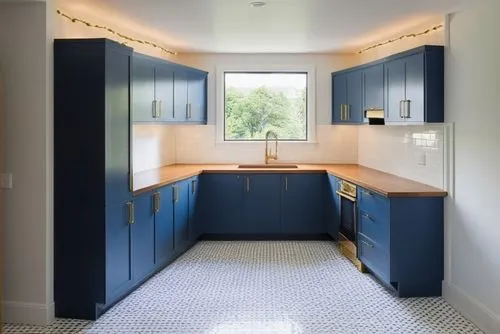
182	176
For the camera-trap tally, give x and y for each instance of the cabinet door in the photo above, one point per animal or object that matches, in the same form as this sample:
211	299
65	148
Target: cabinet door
117	126
332	207
373	87
143	89
395	90
197	95
221	202
193	203
262	204
164	226
118	251
355	97
180	94
164	87
181	216
414	68
339	98
143	237
302	204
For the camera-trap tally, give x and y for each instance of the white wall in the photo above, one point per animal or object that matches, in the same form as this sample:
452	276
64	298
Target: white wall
154	146
26	72
472	281
334	143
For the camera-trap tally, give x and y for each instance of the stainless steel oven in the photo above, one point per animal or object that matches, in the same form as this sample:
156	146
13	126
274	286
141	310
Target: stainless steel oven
348	221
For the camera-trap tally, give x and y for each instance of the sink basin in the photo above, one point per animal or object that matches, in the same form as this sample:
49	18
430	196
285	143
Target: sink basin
268	166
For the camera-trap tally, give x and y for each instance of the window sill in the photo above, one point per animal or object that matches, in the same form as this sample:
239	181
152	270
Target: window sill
259	143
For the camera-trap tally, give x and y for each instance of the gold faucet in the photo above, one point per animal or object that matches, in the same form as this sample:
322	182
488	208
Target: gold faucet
267	154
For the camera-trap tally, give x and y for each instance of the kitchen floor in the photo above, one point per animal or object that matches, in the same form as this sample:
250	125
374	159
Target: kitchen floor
279	287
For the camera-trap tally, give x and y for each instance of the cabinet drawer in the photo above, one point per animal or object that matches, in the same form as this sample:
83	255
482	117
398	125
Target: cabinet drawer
374	257
373	204
374	228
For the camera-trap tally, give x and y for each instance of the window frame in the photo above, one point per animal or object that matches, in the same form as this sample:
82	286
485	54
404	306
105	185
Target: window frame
311	98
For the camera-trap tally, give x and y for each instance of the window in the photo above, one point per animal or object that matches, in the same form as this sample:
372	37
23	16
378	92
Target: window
255	102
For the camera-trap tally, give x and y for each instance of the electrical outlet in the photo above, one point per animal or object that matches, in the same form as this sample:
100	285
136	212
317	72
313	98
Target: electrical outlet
6	180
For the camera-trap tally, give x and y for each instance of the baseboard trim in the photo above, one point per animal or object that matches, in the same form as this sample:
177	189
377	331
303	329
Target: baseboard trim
470	308
28	313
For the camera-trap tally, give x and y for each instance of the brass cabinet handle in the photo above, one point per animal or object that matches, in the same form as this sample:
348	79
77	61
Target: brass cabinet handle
401	107
248	184
407	113
158	109
342	112
131	212
286	183
190	110
156	202
348	112
175	193
153	108
193	186
367	244
187	110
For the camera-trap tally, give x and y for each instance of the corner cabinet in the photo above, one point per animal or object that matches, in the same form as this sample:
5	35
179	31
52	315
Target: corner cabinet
93	207
165	92
401	241
408	86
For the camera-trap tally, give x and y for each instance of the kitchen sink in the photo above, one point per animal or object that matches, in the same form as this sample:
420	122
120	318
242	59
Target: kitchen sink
268	166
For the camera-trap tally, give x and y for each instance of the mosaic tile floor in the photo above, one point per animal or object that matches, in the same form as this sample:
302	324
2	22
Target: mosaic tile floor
285	287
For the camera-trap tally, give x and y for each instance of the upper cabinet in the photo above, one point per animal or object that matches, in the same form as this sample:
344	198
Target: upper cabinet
347	97
408	86
166	92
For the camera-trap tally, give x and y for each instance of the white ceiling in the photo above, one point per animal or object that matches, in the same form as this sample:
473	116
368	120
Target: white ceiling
280	26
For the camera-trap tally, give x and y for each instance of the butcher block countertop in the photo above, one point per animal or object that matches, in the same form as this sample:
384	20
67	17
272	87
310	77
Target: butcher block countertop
386	184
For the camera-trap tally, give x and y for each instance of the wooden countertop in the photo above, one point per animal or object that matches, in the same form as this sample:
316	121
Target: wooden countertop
383	183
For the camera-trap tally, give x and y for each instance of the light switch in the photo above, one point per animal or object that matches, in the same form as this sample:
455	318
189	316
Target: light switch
6	180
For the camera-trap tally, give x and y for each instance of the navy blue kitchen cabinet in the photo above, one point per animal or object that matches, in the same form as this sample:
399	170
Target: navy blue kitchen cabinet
143	88
92	232
180	94
302	201
190	89
166	92
118	265
415	86
164	225
347	97
373	88
332	206
181	216
410	89
401	241
261	204
197	97
194	232
143	237
221	202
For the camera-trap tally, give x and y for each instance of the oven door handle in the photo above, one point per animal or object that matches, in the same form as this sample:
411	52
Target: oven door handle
352	199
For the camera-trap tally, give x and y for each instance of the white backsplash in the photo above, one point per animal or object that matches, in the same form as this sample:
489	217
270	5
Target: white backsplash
419	153
335	144
153	146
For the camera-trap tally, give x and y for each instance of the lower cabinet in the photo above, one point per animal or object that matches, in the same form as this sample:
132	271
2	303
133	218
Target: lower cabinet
401	241
164	225
332	206
143	237
181	216
302	204
193	184
259	204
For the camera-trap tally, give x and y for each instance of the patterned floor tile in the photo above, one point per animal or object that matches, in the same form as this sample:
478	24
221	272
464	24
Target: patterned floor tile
279	287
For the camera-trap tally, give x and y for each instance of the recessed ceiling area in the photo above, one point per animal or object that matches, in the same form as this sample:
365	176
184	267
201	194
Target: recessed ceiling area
279	26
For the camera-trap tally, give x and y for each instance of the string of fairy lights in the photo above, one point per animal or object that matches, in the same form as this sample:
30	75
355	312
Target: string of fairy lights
174	53
425	32
116	33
